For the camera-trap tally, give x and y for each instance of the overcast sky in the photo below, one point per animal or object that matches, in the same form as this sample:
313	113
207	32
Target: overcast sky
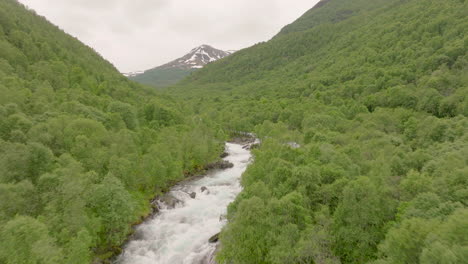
141	34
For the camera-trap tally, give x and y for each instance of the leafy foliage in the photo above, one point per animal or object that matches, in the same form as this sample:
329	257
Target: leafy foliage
361	109
82	149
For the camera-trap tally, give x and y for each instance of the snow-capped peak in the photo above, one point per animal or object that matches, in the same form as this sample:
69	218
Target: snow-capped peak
197	58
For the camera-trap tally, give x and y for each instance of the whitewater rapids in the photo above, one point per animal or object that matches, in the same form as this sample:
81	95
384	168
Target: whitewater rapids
180	235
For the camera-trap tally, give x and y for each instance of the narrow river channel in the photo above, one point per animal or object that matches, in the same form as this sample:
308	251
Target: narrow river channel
180	235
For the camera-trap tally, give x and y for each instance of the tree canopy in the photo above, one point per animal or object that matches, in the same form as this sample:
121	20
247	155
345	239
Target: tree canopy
361	107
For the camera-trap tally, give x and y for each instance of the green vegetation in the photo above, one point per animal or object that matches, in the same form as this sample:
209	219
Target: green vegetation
82	149
374	92
162	77
376	95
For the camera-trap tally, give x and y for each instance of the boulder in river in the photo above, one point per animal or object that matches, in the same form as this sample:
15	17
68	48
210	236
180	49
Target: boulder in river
251	146
154	207
225	154
246	139
204	188
139	234
169	200
222	217
222	165
193	195
214	238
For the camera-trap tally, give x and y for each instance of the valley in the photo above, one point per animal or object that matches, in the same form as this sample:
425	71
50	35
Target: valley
361	107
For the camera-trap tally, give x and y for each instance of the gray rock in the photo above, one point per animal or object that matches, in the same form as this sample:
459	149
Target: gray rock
224	164
193	195
214	238
169	200
222	217
138	235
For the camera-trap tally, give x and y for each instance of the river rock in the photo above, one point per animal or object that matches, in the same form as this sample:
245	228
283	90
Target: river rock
248	138
204	188
222	165
169	200
193	195
226	165
139	234
154	207
251	146
222	217
214	238
225	154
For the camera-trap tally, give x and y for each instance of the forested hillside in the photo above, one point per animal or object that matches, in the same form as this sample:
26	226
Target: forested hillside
82	149
375	94
162	77
361	106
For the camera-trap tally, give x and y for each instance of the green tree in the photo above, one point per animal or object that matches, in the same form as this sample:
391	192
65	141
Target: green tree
26	240
359	221
114	206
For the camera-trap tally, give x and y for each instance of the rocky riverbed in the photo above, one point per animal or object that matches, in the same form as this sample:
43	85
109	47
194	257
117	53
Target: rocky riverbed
189	217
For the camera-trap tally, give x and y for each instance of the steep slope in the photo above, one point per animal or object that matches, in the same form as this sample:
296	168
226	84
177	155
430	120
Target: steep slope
178	69
377	102
82	149
328	11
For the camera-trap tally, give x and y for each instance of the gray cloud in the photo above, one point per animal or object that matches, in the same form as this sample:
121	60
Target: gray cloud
140	34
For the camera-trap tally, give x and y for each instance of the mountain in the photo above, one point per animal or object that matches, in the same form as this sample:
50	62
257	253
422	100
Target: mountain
373	95
361	107
82	148
178	69
197	58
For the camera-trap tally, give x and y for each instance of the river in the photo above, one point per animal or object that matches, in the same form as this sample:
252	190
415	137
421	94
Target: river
180	235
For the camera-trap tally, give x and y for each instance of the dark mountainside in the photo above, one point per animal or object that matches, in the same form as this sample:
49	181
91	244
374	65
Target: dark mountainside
176	70
82	149
375	93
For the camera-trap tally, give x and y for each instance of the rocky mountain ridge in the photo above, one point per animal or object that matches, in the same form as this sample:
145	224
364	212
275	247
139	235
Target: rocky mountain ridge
197	58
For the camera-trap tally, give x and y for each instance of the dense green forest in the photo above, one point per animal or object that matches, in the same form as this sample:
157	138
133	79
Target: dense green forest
375	94
361	107
82	149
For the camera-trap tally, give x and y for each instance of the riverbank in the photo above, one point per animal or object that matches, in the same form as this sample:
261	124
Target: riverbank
147	208
112	253
182	231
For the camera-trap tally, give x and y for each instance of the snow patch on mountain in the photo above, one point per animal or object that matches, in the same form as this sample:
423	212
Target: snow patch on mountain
133	74
197	58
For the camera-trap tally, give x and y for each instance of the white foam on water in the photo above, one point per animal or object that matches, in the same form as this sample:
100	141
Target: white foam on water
180	235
